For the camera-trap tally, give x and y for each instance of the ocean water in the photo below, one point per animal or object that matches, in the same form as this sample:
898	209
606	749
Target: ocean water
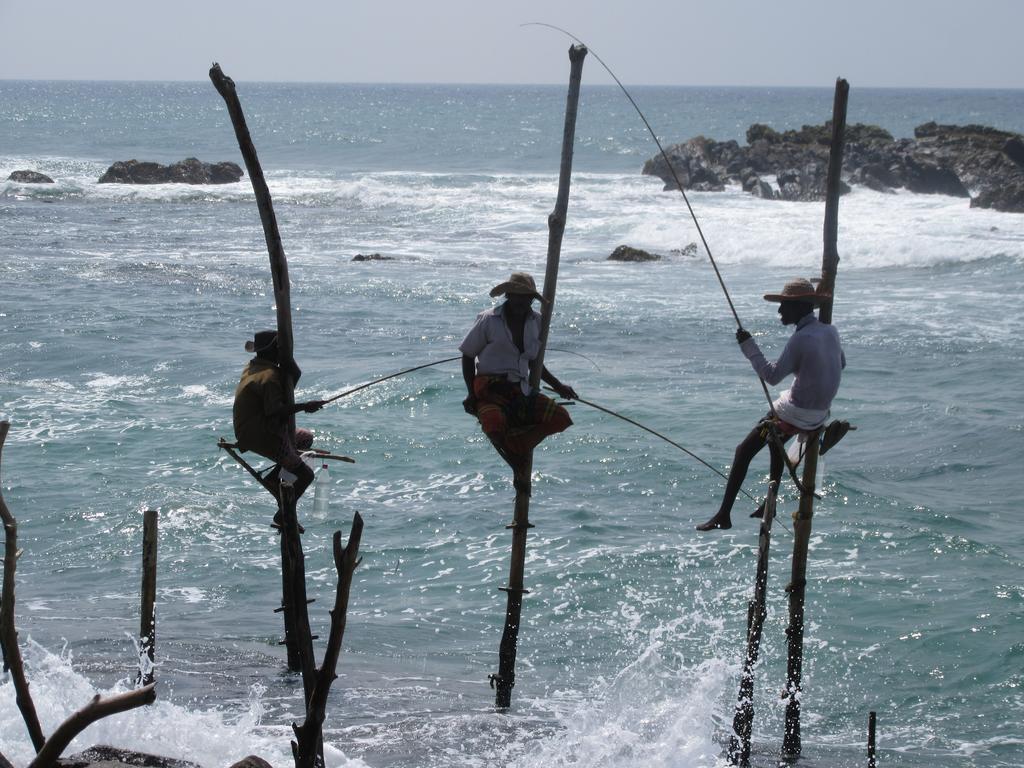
123	311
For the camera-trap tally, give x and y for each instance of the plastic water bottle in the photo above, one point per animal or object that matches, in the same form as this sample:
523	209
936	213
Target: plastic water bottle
321	490
796	451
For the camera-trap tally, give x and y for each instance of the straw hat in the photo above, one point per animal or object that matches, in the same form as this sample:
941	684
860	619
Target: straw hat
519	282
798	290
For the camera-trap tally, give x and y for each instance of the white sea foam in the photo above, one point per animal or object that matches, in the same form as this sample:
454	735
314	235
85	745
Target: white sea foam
215	737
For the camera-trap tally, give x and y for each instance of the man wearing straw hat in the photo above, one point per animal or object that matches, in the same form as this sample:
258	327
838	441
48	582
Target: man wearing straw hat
815	357
261	417
497	356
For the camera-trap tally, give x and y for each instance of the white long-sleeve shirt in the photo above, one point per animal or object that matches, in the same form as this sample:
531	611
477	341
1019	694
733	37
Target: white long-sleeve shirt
490	342
815	355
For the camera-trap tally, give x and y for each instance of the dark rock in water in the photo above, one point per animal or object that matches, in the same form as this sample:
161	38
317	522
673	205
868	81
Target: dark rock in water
188	171
102	756
688	251
628	253
940	159
30	177
252	761
372	257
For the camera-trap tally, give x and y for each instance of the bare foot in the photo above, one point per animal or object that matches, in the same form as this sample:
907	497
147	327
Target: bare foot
721	523
759	512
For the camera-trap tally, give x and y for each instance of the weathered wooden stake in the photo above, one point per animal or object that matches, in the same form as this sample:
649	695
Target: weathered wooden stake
871	740
742	722
8	632
294	615
310	733
505	679
147	615
791	745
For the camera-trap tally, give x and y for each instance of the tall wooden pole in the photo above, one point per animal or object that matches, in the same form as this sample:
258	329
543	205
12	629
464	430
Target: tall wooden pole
296	618
791	745
757	612
505	679
147	614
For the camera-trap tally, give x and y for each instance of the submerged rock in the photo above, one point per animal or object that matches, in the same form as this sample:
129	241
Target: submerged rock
628	253
372	257
961	161
30	177
188	171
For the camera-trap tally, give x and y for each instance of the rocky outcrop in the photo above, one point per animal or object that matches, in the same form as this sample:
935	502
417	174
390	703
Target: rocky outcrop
102	756
372	257
188	171
30	177
628	253
974	161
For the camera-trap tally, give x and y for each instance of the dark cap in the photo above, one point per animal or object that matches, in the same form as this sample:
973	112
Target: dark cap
262	341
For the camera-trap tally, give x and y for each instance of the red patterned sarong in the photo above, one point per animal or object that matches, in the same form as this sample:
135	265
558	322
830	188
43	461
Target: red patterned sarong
516	421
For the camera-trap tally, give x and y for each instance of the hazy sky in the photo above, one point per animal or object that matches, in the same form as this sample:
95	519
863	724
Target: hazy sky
940	43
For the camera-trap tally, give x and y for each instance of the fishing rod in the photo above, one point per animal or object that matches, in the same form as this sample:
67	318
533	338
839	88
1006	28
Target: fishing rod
672	170
687	451
428	365
389	376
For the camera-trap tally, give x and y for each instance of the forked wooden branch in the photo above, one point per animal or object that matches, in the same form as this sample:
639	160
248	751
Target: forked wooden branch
95	710
310	732
8	633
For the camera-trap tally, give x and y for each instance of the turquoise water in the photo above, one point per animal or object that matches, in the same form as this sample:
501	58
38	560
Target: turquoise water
123	311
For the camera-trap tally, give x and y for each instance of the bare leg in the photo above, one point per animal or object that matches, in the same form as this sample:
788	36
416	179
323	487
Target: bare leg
745	452
519	479
775	473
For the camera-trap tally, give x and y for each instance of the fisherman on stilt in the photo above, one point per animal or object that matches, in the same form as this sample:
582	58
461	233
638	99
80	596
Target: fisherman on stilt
815	356
497	355
261	418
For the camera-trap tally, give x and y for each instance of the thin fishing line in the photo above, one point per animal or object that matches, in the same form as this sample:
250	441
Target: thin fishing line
687	451
672	170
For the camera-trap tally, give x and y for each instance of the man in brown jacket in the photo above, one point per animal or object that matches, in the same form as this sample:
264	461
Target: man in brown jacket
261	417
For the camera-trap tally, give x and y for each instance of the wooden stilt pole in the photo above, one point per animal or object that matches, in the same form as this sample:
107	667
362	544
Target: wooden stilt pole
295	615
791	745
147	615
505	679
871	740
742	722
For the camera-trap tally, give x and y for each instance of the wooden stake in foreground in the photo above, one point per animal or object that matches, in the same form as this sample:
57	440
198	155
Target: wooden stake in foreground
791	746
505	679
147	615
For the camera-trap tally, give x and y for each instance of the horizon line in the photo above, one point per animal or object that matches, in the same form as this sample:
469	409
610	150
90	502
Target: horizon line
759	86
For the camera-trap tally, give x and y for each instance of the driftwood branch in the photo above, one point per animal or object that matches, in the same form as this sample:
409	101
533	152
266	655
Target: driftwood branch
95	710
8	632
310	733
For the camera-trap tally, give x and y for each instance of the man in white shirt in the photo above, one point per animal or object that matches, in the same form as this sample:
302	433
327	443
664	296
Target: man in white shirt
816	357
497	355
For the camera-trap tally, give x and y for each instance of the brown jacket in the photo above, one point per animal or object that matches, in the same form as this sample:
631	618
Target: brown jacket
259	394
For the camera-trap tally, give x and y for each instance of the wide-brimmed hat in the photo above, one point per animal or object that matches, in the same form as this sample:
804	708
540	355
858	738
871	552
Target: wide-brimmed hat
519	282
261	341
799	290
